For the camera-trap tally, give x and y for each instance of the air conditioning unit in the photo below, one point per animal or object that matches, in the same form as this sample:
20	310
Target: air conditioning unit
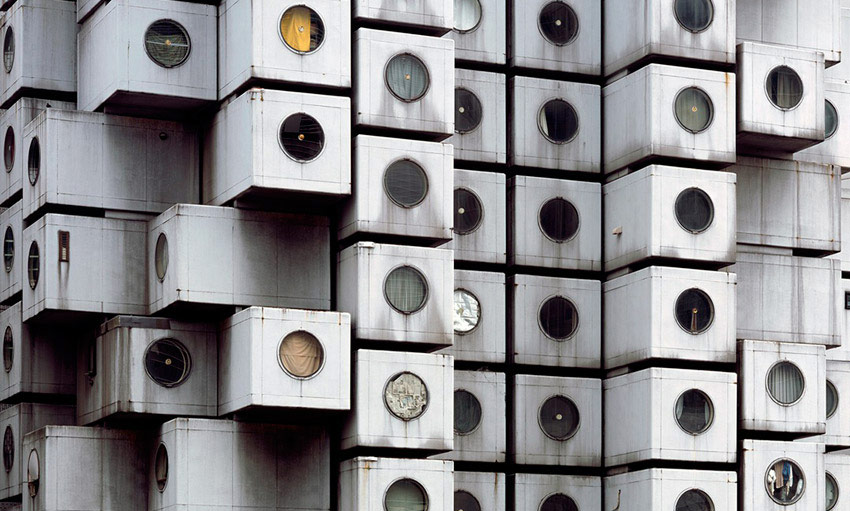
789	204
781	23
837	405
541	491
554	321
480	117
835	480
17	421
670	313
479	490
141	366
396	293
203	464
268	143
553	223
639	225
78	268
214	259
36	359
39	43
434	17
84	159
833	150
781	475
479	31
480	225
697	31
284	358
403	81
478	317
556	36
401	188
557	421
401	400
137	55
12	224
670	488
479	417
284	41
669	112
554	125
670	415
780	98
367	483
772	305
782	387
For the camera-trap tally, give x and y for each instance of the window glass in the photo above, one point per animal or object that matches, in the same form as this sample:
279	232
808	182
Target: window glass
558	23
831	120
465	501
301	354
559	418
784	87
406	289
467	15
468	211
302	29
407	77
161	256
831	399
33	473
467	412
558	318
694	210
558	121
167	362
8	449
302	137
9	149
167	43
785	482
559	219
694	311
32	265
406	396
831	491
694	411
558	502
9	50
161	467
8	249
468	110
694	500
34	161
785	383
405	183
467	311
694	109
8	349
694	15
405	495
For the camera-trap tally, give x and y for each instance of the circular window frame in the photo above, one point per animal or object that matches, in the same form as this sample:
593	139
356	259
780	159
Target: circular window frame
540	127
837	399
33	483
767	384
187	372
575	328
481	209
33	282
553	494
35	145
471	495
710	202
321	366
283	149
161	448
710	406
828	474
710	106
540	220
480	311
708	497
711	307
185	33
424	280
164	239
280	33
796	497
475	27
427	396
9	233
837	120
427	75
480	121
578	423
543	34
387	192
686	29
11	66
11	435
480	406
11	337
10	130
767	92
414	481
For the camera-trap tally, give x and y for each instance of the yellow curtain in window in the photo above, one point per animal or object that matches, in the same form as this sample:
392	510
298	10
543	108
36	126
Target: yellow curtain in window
295	28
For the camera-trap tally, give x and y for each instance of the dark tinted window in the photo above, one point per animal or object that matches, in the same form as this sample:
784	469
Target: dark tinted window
167	362
559	417
559	219
693	109
558	121
784	87
405	183
468	211
167	43
558	502
34	161
8	349
694	15
694	311
8	249
694	500
468	110
831	120
465	501
558	318
407	77
302	137
694	411
8	449
694	210
558	23
9	149
467	412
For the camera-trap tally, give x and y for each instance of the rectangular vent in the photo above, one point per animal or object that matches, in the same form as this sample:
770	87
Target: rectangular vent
64	246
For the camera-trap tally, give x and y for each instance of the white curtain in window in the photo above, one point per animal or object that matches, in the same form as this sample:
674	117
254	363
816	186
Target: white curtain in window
407	77
405	495
786	88
467	14
695	14
785	382
405	289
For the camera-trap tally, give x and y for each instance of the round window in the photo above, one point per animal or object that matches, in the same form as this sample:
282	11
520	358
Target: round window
32	265
468	110
559	220
467	311
406	289
8	449
784	87
167	43
694	411
694	500
831	399
407	77
405	183
558	23
8	249
694	311
559	418
467	412
301	354
9	50
693	110
161	467
406	396
34	161
302	137
830	120
465	501
405	495
467	15
8	349
784	482
558	318
301	29
161	256
694	15
831	491
167	362
558	502
785	383
468	211
33	473
9	149
558	121
694	210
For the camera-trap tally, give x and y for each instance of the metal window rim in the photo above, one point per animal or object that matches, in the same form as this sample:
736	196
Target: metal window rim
480	420
578	422
186	372
711	203
188	40
577	323
480	312
767	383
283	149
710	105
481	209
480	121
427	396
710	22
710	306
710	407
427	75
543	34
321	366
802	475
573	108
280	34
